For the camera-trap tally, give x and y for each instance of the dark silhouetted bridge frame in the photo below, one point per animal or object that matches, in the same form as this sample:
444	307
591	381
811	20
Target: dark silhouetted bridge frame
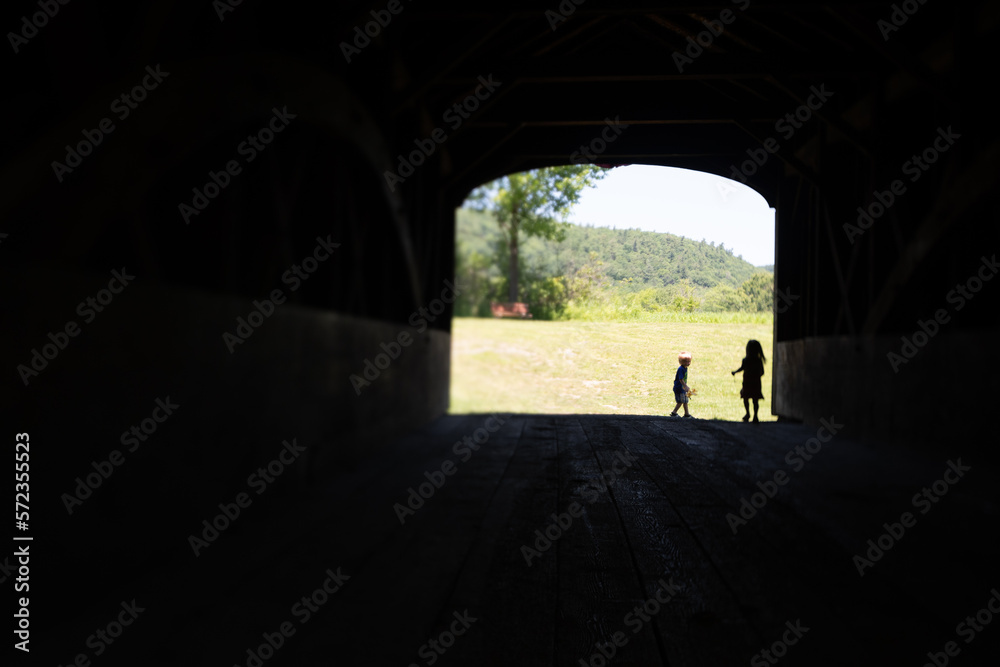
890	328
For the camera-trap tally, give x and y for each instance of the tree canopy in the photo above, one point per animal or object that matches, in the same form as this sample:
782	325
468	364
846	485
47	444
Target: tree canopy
533	204
636	269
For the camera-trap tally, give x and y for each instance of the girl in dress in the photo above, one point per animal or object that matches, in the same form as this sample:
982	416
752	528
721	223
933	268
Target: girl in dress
753	369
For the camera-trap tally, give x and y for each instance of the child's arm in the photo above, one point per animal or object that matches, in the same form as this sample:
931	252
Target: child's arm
738	369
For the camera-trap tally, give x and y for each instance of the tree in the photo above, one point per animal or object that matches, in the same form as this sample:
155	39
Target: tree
587	280
684	298
724	298
547	297
759	291
755	295
533	204
472	276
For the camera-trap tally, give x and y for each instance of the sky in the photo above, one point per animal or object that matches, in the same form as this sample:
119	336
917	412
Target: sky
687	203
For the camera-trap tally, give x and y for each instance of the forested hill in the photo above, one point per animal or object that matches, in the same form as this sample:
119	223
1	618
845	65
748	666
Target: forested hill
649	259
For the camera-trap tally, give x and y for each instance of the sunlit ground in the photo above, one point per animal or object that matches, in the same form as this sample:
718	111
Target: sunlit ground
600	367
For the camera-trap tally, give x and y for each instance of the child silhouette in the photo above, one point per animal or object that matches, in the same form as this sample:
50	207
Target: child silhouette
753	369
681	387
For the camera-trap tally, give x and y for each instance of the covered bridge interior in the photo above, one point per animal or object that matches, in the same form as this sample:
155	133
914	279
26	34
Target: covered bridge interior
258	196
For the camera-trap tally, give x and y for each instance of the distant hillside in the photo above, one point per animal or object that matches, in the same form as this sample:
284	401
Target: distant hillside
649	259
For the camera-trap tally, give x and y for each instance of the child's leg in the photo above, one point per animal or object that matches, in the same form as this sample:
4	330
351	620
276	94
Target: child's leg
746	406
676	408
755	406
685	404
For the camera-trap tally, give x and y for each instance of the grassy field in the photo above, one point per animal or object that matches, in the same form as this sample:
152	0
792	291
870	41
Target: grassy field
600	367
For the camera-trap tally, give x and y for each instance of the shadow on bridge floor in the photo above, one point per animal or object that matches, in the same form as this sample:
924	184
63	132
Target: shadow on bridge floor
551	540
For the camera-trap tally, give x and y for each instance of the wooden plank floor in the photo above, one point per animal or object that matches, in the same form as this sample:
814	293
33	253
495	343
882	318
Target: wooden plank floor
643	503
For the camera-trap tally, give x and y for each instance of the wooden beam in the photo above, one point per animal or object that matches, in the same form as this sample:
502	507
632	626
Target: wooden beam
845	300
484	155
966	190
663	69
446	64
849	133
790	160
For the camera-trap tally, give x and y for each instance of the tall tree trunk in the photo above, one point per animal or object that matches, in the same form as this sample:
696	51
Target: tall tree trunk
512	286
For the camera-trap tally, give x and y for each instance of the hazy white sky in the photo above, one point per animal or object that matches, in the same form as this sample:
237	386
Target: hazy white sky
682	202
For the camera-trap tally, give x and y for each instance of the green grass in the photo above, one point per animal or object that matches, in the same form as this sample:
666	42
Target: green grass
574	367
609	314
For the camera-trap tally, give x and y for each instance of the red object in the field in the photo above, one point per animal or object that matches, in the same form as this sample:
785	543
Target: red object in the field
516	309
